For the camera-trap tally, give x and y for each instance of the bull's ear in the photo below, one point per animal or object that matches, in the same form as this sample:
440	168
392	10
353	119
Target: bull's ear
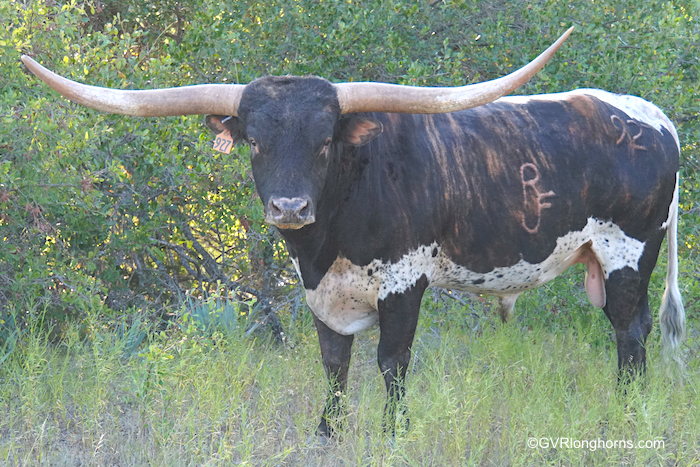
219	123
358	130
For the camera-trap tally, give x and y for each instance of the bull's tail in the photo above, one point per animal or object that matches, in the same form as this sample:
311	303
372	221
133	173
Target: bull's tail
672	313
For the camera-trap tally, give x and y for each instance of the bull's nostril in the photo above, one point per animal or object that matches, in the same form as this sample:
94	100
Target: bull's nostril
304	210
275	210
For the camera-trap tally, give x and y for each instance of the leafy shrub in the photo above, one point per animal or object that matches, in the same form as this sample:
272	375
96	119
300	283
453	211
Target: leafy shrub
139	213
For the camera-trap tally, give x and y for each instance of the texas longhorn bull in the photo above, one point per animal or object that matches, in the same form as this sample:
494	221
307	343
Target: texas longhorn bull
381	191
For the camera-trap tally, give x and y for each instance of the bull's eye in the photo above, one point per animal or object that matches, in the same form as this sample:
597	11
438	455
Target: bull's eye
253	146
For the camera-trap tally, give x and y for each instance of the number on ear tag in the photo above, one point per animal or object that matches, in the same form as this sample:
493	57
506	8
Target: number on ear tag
223	142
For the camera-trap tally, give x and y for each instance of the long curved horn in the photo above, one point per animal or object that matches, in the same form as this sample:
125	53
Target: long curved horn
220	99
381	97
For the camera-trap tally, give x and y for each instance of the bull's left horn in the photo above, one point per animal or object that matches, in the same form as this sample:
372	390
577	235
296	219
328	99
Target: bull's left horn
381	97
219	99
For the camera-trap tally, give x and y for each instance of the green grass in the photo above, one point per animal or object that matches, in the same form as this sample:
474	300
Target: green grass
474	398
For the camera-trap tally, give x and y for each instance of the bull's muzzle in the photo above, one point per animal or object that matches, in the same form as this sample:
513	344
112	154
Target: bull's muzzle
290	213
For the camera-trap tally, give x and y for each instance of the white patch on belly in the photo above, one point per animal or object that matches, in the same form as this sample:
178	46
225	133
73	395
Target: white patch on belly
347	296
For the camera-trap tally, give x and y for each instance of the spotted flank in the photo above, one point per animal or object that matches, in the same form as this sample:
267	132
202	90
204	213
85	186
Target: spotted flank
346	299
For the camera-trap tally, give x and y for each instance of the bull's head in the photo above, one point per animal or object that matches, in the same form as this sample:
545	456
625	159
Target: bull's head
290	123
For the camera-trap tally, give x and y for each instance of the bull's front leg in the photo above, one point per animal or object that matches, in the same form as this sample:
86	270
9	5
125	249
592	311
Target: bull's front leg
335	353
398	317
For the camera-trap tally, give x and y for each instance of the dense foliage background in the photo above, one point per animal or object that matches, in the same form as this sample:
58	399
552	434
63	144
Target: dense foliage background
134	260
137	217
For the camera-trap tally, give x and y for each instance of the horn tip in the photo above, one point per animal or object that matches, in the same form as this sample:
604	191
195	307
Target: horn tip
29	62
566	34
562	38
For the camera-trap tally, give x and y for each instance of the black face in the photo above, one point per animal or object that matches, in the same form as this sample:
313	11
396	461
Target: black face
293	127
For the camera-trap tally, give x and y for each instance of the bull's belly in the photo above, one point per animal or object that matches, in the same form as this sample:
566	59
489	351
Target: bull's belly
347	297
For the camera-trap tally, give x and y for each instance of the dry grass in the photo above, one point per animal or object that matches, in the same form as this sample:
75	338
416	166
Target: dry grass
473	399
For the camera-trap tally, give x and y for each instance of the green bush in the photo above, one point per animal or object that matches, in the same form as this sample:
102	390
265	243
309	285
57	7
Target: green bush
139	214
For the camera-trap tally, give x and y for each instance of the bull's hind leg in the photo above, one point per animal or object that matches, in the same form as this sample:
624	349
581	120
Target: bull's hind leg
335	353
506	304
627	308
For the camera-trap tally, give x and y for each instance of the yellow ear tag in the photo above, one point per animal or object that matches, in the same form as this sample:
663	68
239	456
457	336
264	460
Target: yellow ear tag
223	142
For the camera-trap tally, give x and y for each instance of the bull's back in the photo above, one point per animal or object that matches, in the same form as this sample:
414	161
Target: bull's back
509	179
